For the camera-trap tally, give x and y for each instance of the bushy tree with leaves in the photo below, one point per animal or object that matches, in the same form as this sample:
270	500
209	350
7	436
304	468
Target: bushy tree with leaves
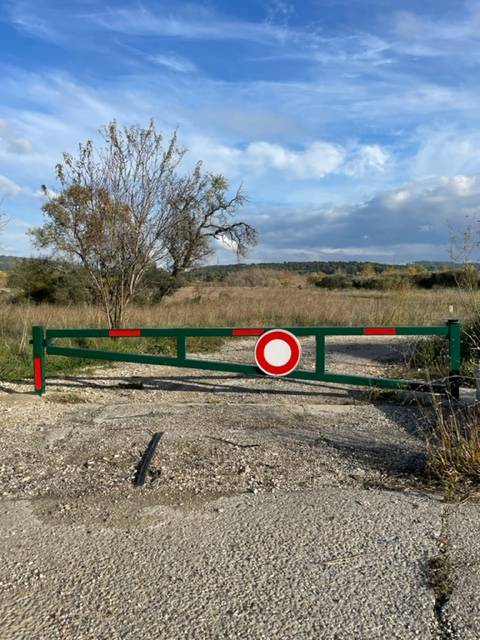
126	205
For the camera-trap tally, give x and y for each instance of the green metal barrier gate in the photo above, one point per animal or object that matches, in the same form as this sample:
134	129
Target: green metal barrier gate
44	343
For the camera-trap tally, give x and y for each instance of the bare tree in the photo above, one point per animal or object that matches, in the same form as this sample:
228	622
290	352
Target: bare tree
126	205
463	249
199	211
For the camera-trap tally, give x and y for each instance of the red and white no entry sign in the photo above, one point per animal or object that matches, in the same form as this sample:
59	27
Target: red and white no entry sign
277	352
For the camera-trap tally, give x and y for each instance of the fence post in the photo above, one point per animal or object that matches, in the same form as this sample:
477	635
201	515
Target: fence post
455	360
38	342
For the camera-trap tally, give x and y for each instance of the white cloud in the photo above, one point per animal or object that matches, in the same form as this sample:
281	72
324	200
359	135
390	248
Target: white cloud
9	188
446	151
315	161
23	16
366	158
11	139
190	21
407	223
357	251
397	198
227	243
312	162
412	26
463	185
173	62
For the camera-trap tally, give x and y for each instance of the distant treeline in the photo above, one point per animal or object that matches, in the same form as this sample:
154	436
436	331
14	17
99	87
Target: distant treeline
213	273
60	282
7	263
427	280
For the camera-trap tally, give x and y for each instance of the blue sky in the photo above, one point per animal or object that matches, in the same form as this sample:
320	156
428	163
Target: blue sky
352	124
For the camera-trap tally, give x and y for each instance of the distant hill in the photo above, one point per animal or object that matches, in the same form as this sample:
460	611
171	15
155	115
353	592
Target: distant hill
7	263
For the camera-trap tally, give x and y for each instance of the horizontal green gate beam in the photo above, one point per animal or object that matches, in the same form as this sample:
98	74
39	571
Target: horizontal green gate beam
146	332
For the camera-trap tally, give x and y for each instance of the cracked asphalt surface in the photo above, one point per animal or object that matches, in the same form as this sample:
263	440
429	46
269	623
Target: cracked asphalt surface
272	510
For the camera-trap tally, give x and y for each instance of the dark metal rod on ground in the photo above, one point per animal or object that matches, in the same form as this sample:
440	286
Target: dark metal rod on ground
148	455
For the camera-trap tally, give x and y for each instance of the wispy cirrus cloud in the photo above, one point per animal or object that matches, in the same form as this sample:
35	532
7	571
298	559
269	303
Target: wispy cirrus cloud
185	21
173	62
23	15
414	26
11	140
9	188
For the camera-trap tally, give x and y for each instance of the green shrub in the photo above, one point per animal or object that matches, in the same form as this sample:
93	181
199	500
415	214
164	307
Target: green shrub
449	278
335	281
52	281
382	283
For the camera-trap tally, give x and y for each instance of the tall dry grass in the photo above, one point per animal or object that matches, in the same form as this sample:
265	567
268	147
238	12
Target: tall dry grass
223	306
453	446
217	306
204	305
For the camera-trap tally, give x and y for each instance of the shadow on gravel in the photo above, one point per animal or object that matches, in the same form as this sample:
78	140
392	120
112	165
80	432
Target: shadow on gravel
12	391
396	449
391	459
208	384
392	446
380	353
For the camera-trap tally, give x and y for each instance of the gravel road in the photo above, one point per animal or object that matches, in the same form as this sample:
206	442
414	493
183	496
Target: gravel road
273	509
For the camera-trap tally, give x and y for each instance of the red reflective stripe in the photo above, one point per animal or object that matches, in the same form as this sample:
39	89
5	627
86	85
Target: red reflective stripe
379	331
124	333
247	332
37	372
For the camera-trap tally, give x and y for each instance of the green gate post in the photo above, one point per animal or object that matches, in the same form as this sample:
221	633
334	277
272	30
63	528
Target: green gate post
320	354
38	342
454	352
181	348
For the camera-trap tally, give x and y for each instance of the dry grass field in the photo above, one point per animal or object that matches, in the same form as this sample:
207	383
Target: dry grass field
207	305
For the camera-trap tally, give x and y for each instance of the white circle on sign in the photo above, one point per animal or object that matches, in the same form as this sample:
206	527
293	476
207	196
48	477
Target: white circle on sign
277	352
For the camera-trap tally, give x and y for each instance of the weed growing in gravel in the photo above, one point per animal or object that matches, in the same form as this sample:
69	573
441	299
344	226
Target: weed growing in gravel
453	446
66	397
439	573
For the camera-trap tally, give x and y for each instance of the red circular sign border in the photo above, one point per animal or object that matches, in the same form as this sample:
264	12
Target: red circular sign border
290	365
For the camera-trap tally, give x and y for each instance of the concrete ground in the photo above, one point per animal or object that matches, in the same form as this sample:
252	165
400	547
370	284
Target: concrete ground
272	510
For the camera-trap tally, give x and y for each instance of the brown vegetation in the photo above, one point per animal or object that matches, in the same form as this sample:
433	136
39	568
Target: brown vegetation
236	306
453	446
